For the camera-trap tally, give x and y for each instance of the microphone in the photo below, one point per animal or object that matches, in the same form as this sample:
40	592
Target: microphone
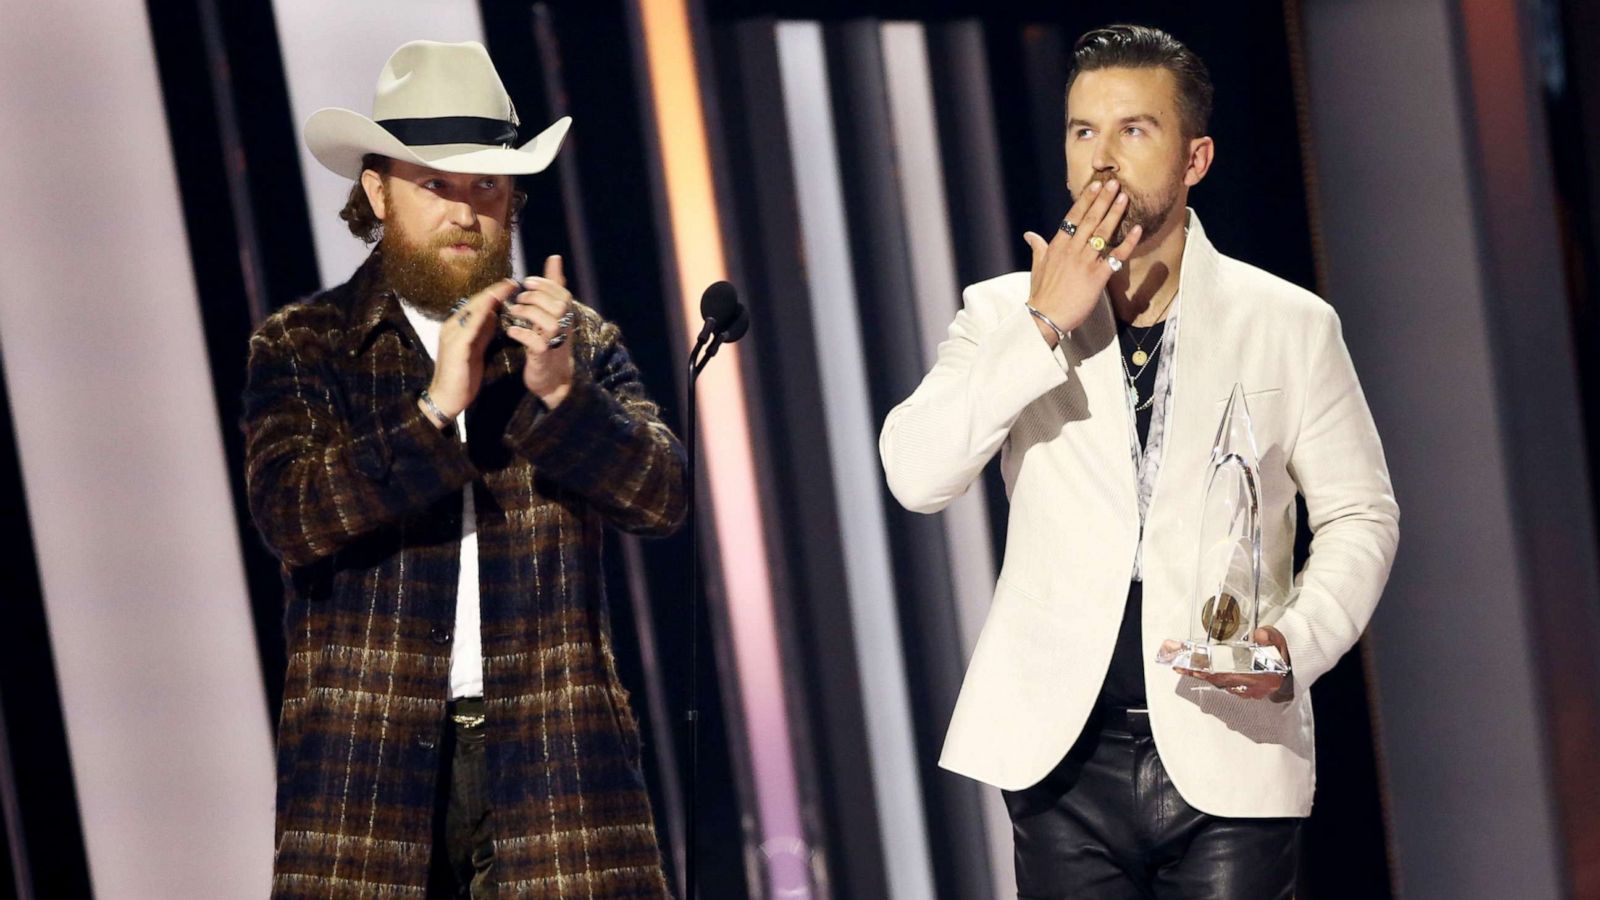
719	306
736	328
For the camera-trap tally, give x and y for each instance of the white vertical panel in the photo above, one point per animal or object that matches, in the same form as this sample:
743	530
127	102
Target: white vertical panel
123	465
852	450
937	295
332	53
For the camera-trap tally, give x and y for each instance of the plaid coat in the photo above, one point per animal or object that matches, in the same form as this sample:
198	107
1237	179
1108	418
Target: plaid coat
360	496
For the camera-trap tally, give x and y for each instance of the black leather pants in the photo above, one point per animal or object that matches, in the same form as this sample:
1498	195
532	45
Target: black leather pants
1108	824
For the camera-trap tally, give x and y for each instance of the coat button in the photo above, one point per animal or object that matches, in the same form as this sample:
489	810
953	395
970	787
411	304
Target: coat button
439	635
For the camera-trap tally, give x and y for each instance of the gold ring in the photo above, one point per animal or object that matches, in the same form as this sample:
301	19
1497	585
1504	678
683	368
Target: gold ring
1098	243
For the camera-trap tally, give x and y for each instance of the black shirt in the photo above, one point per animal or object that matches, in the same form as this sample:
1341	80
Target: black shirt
1124	684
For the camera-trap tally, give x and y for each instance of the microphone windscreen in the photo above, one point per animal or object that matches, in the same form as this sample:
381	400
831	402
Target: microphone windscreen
737	328
720	301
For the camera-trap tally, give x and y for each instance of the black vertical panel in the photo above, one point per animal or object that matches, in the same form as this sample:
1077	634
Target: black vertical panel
1027	71
1572	104
880	256
39	799
593	206
249	240
842	816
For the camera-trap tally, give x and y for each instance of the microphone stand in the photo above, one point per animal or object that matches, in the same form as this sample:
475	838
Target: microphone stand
719	333
691	715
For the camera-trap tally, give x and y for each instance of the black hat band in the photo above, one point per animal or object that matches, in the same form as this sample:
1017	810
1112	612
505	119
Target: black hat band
451	130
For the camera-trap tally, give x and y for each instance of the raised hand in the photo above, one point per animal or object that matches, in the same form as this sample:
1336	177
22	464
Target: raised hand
1069	271
544	315
458	366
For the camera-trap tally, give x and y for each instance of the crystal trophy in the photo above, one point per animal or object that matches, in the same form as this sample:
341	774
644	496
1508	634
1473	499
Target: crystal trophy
1227	591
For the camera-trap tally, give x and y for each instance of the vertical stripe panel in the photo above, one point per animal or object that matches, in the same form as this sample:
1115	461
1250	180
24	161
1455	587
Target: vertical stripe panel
936	295
691	209
885	291
852	452
123	465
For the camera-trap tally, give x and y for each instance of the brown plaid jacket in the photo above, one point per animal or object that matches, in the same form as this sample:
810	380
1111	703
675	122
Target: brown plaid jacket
361	498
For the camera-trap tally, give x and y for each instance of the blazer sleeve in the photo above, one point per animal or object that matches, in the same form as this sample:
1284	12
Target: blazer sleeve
987	371
607	443
1338	465
314	485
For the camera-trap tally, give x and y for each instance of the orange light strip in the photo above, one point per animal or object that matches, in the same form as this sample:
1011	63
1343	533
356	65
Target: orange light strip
730	460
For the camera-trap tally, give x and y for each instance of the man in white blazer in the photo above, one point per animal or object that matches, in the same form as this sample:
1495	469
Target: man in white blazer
1100	377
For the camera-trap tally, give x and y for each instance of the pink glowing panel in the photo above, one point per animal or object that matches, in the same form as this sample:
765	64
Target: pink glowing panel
730	463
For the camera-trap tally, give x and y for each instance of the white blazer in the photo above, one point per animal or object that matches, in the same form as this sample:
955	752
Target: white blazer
1060	421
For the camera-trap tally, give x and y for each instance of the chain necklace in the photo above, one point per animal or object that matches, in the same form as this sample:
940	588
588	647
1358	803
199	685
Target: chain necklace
1133	386
1140	357
1148	358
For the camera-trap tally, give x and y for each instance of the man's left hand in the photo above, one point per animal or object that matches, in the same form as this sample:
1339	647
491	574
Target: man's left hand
546	305
1250	687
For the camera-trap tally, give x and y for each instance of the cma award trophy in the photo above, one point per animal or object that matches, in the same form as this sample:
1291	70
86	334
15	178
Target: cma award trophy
1227	592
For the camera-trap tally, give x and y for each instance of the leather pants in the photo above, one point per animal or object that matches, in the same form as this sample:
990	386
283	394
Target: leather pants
1107	824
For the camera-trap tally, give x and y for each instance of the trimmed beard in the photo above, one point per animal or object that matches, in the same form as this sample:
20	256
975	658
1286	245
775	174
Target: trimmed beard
414	269
1148	210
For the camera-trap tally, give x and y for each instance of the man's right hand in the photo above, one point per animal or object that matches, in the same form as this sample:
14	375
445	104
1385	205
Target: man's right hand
458	367
1068	273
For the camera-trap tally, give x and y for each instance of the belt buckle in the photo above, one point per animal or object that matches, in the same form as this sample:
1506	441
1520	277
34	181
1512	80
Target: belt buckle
466	721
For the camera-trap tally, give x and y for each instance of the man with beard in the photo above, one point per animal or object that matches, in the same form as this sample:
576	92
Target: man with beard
434	450
1124	778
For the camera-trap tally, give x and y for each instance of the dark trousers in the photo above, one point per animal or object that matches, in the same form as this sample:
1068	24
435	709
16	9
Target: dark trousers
462	867
1107	824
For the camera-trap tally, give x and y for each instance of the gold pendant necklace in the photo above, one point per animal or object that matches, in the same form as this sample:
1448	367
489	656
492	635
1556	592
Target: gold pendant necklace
1140	357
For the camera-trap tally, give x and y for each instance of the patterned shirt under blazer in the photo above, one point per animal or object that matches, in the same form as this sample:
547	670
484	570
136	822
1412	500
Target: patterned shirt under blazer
1060	422
361	497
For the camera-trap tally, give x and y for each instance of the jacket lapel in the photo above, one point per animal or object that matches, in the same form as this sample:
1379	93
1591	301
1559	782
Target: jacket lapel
1095	358
1189	420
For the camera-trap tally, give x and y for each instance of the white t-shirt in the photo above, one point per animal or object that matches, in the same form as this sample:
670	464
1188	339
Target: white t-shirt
466	652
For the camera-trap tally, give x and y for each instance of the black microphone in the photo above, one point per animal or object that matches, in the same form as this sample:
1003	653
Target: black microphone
736	328
719	306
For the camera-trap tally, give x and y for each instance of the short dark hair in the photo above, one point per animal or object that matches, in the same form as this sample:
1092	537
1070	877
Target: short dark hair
364	223
1143	47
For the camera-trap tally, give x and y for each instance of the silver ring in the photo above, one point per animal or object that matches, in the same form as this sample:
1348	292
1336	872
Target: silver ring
1114	263
456	306
567	318
1070	228
557	341
511	321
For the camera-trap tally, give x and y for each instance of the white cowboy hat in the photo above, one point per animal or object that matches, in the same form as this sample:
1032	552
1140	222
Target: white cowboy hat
437	105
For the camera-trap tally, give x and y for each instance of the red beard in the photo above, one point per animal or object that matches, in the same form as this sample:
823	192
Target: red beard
416	271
